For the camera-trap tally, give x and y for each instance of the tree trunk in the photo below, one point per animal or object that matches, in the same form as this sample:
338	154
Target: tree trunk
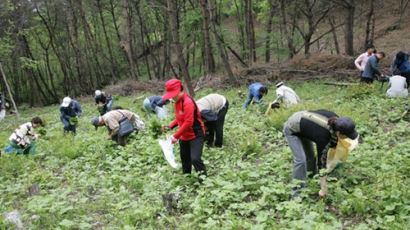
349	30
8	90
127	43
114	69
370	15
209	59
334	34
249	28
219	43
173	23
269	31
241	29
287	33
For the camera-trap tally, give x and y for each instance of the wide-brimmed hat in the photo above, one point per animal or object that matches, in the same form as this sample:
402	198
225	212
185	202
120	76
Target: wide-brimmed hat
66	102
346	127
172	88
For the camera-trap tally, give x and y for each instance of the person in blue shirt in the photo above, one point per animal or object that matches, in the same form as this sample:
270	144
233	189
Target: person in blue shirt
371	71
70	110
256	92
155	104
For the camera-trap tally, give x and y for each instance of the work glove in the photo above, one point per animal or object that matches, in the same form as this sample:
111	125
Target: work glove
173	140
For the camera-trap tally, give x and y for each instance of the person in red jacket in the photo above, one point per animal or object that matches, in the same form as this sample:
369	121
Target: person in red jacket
191	131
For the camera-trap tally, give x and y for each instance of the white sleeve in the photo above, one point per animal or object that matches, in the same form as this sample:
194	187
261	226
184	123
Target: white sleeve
358	61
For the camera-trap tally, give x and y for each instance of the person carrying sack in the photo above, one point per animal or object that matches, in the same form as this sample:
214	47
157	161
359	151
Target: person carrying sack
120	123
191	131
22	140
103	101
155	104
323	128
213	110
70	110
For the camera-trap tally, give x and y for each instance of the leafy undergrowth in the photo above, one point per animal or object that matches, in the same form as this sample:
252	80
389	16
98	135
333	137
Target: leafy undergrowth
87	182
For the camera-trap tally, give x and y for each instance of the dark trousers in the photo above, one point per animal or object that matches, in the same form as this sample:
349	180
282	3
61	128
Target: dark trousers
120	140
366	80
407	76
67	126
191	152
215	129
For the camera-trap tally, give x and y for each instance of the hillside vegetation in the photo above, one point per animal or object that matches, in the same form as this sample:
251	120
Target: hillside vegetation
87	182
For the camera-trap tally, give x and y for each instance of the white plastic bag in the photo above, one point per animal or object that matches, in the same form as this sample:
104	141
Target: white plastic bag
168	150
162	113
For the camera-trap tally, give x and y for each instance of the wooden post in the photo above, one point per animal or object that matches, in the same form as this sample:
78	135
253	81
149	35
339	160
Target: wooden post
9	91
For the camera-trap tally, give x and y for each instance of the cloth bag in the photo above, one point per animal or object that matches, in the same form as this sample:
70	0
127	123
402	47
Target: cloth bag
126	127
339	155
168	150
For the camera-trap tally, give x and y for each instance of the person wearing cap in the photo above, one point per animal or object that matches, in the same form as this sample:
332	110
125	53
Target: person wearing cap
371	70
321	127
103	101
256	92
191	131
112	121
70	110
362	59
23	138
155	104
213	108
397	87
285	95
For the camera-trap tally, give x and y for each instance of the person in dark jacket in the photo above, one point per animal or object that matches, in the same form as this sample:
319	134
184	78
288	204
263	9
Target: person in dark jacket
256	92
371	71
213	109
401	66
70	110
103	101
155	104
191	131
321	127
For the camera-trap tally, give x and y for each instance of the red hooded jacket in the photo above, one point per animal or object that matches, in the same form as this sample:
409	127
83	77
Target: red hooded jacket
185	118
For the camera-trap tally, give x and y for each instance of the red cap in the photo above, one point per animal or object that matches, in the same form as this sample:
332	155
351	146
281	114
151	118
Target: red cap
172	89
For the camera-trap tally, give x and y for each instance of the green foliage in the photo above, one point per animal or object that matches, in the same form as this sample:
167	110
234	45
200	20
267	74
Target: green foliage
155	127
86	181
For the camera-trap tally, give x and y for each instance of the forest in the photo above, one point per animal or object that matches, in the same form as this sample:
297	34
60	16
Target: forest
54	48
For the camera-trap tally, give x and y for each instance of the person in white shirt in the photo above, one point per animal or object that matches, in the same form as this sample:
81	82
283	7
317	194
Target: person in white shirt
2	107
22	139
284	95
397	87
361	61
213	108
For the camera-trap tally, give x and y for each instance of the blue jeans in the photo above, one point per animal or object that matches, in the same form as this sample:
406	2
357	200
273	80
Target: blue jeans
67	126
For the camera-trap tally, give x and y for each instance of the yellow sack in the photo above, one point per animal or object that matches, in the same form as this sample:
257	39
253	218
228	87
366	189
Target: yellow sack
338	155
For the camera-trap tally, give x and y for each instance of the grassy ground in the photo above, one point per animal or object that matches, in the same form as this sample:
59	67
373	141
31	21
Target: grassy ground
87	182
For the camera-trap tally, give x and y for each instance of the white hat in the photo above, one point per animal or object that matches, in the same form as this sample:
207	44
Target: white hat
66	102
278	84
98	92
